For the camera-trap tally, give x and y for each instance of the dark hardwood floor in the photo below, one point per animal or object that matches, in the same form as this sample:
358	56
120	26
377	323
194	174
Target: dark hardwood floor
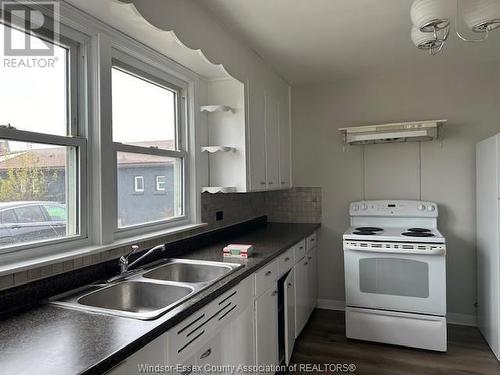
323	341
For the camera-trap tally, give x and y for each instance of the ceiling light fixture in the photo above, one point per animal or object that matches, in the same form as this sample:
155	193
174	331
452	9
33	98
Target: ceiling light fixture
431	21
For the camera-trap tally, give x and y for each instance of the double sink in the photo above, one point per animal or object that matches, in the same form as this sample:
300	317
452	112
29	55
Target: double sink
149	292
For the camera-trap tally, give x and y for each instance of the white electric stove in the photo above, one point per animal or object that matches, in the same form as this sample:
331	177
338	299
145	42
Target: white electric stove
395	274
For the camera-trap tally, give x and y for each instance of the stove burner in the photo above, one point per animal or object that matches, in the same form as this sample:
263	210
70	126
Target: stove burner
419	230
369	229
418	234
364	232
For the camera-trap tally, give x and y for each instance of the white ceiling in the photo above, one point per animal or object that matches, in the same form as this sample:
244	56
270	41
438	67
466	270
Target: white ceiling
324	40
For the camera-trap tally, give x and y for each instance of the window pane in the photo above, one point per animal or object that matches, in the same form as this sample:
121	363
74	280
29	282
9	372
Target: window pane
144	114
149	206
37	192
34	98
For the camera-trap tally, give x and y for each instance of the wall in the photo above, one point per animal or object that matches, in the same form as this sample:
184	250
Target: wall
468	97
303	203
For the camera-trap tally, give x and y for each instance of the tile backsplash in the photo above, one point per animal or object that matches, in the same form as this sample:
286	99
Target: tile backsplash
297	205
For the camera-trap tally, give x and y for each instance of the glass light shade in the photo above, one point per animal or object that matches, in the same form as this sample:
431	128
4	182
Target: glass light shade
424	40
429	14
480	15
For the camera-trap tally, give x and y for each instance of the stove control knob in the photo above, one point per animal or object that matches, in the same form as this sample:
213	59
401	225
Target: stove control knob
364	207
431	208
355	207
421	207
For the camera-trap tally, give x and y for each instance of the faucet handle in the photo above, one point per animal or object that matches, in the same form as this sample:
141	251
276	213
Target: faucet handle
135	249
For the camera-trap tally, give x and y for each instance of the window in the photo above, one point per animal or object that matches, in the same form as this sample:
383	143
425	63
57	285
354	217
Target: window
160	183
147	125
139	184
42	152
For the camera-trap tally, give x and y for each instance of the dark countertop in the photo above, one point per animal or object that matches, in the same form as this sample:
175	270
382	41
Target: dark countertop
56	340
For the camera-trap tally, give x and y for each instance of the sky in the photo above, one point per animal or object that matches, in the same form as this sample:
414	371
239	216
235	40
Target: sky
34	99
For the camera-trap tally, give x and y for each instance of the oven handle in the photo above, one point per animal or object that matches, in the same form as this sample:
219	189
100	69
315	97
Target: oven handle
396	251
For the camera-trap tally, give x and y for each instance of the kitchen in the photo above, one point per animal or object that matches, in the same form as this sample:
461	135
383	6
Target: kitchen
263	148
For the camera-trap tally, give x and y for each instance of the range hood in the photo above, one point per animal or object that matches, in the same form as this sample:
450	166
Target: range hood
389	133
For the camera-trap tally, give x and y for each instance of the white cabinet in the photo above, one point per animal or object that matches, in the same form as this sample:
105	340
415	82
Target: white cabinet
238	340
266	320
312	281
301	295
284	141
289	304
209	357
272	142
256	138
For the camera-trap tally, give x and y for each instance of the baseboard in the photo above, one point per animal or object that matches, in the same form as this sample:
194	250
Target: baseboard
452	318
330	304
462	319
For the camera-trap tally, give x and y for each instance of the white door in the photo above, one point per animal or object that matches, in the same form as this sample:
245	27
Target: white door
289	305
312	276
272	142
399	282
284	136
256	138
209	358
266	320
301	295
238	343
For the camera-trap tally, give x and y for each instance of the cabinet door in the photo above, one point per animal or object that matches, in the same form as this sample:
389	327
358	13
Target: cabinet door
289	315
152	354
284	137
256	138
272	142
312	275
301	295
209	357
266	321
238	340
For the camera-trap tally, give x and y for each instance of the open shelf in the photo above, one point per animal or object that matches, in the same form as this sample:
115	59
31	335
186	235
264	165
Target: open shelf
216	108
218	189
213	149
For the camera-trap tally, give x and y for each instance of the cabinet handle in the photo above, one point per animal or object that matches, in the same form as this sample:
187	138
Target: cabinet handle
275	293
301	247
271	183
283	182
262	183
287	259
309	258
290	285
306	263
187	372
268	273
312	239
206	354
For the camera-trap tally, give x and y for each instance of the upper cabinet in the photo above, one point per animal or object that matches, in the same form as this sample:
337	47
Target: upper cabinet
245	135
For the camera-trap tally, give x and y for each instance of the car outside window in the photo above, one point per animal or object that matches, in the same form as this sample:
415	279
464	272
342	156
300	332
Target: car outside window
8	217
56	213
29	214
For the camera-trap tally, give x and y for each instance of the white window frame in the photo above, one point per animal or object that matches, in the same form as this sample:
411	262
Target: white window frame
77	44
158	183
98	44
138	189
134	62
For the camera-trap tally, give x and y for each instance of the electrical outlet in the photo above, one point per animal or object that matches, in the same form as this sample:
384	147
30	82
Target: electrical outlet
219	215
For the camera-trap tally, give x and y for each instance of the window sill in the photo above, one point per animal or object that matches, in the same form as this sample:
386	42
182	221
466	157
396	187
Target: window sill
14	262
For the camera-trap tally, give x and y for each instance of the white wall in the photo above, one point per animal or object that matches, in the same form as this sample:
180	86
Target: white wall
469	97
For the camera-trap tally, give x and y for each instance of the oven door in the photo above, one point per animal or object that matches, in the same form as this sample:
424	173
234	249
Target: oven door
396	281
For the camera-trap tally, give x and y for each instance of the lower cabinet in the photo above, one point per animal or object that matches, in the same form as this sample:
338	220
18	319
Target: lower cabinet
302	300
266	322
240	328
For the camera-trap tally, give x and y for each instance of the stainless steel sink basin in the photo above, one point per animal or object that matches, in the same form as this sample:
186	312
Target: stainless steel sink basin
185	271
136	297
150	292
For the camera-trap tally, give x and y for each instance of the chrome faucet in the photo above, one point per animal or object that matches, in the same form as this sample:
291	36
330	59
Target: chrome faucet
124	264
